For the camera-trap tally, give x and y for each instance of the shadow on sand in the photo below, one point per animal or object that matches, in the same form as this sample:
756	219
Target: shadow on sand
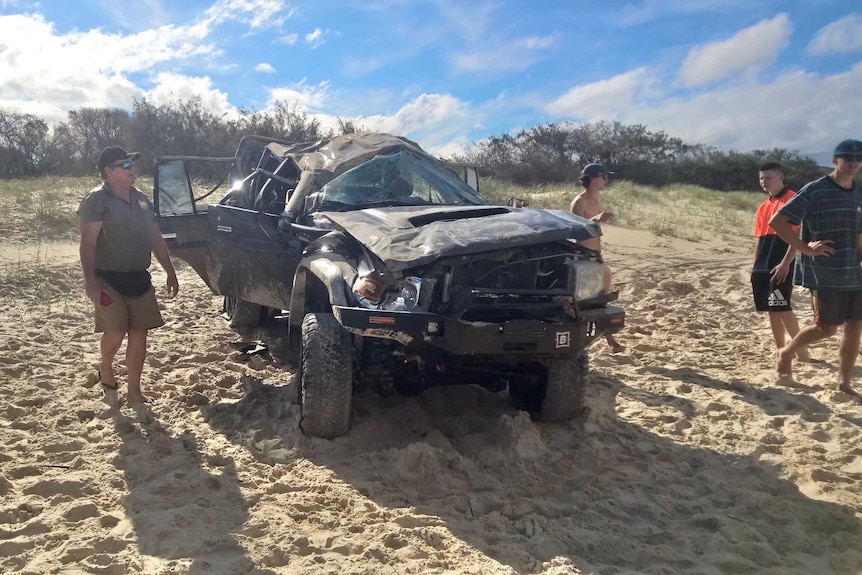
599	494
181	511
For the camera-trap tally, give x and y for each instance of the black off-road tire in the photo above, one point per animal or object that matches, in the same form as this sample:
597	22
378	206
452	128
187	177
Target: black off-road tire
566	389
241	313
326	376
559	394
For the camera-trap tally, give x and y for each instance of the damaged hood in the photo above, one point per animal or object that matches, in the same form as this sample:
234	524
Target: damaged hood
405	237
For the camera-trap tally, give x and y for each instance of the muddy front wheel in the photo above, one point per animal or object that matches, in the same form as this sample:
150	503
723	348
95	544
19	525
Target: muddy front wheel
554	393
566	389
326	376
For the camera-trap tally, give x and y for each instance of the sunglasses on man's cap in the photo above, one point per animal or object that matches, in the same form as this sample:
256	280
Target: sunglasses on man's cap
124	165
851	157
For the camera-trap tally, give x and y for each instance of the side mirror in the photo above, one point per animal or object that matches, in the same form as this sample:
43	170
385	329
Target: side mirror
471	176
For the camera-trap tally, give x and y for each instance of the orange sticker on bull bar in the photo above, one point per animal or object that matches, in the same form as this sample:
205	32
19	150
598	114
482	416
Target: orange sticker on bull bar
377	320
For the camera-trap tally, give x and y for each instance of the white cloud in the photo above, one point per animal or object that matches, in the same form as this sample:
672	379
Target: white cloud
603	99
438	122
751	48
315	38
843	36
289	39
504	55
637	12
490	46
307	98
426	111
257	14
472	20
264	68
789	111
66	72
171	87
355	66
92	68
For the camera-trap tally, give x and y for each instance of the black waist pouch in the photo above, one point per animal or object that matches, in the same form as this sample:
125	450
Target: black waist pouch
130	284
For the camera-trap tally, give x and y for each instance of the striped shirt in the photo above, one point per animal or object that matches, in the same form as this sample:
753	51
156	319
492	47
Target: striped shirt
828	212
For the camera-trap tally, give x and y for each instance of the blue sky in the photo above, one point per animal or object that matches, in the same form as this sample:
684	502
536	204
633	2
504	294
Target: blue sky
737	74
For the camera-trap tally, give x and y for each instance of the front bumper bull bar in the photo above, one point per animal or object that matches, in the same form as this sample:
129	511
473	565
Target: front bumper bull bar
432	332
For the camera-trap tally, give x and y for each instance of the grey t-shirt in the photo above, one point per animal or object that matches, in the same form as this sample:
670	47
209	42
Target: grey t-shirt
125	243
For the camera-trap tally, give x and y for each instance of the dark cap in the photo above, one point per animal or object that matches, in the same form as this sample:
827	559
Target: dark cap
848	147
113	154
594	169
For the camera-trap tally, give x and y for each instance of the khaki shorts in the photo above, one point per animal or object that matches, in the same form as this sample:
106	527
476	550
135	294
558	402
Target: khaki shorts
125	313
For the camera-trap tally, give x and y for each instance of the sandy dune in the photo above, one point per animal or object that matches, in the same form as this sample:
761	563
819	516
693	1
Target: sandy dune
691	459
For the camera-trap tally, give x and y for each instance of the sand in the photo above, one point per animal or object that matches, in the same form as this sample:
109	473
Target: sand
692	457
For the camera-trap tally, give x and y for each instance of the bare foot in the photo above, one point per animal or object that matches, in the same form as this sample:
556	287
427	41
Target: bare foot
786	380
133	400
784	365
111	397
802	355
109	383
851	392
616	347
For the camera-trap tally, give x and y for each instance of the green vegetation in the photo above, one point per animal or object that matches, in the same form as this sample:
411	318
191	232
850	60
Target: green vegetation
542	154
35	211
29	146
557	152
43	209
36	278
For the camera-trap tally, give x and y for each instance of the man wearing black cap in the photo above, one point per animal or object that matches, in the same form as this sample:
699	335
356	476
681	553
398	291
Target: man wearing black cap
118	236
830	249
587	204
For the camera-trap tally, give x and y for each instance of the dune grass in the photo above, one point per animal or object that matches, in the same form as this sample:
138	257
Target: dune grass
33	212
37	278
680	211
43	209
39	210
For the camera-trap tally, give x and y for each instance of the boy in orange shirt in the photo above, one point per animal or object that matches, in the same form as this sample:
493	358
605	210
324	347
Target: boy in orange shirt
772	272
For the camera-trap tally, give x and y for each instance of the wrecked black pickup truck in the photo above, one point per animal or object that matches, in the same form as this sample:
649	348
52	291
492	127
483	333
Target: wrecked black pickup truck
394	272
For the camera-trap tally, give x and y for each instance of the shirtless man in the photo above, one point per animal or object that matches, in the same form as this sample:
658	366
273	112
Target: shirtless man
587	204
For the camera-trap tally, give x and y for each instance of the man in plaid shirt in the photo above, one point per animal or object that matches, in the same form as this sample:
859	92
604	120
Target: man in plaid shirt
830	248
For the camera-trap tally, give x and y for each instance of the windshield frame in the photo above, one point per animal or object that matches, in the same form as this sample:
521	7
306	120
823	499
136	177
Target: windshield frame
372	184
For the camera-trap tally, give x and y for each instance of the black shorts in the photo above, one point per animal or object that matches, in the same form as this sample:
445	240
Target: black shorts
768	295
833	307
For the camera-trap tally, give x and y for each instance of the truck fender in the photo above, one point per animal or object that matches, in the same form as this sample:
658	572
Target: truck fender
335	275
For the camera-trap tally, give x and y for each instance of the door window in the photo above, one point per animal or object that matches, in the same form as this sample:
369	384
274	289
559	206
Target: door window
174	190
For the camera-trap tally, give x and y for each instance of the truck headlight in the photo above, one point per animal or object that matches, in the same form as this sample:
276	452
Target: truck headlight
407	298
590	280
